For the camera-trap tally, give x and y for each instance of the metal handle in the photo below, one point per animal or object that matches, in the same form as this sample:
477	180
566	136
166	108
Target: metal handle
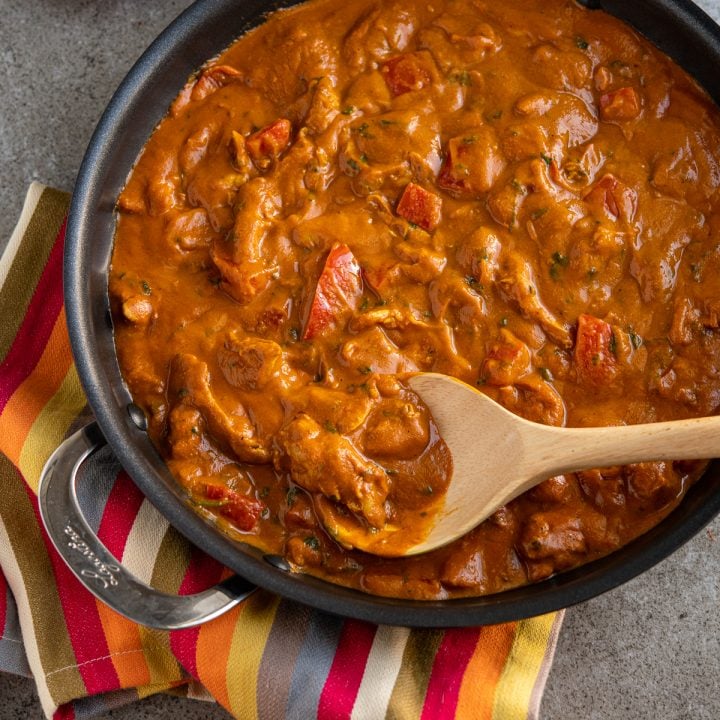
97	569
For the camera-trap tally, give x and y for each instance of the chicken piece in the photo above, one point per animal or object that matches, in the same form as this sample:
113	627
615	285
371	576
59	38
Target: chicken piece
185	435
249	363
241	257
553	535
459	40
669	226
299	54
506	362
212	79
189	230
190	380
373	352
560	69
241	157
686	318
620	105
458	300
605	489
535	400
564	116
334	409
328	463
420	264
473	164
523	141
324	107
479	255
654	481
397	429
382	31
517	282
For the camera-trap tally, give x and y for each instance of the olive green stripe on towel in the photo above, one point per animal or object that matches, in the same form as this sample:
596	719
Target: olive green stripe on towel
30	553
408	696
29	262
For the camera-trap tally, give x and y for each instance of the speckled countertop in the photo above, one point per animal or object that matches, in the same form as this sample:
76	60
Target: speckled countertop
650	649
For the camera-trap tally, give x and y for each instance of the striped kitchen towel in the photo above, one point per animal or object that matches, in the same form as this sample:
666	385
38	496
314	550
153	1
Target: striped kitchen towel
266	659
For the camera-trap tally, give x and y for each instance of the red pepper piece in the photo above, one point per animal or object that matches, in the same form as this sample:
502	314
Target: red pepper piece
594	350
243	510
337	292
405	73
623	104
267	144
617	199
421	207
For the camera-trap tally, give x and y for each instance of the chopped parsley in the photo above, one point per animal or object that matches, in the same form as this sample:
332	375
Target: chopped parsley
290	496
546	159
558	261
545	374
329	427
474	283
462	78
312	542
613	344
147	290
364	131
581	42
349	110
635	340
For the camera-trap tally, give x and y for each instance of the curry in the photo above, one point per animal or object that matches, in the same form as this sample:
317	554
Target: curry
523	195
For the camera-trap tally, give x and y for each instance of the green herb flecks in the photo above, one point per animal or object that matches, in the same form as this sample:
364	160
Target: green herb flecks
545	374
312	542
290	496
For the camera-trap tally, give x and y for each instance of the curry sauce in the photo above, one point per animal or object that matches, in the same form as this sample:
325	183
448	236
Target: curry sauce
523	195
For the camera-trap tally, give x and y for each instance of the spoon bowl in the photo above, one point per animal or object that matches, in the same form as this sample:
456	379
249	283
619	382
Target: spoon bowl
498	455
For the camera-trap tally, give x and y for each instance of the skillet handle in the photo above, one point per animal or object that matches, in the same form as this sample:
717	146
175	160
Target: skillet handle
97	569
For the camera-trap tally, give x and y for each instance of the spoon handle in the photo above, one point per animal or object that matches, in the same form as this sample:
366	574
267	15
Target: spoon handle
570	449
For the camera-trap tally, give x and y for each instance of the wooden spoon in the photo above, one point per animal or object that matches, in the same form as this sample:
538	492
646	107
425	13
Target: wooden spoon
498	456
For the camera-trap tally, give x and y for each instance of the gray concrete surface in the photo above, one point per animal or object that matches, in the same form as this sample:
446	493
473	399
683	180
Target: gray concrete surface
650	649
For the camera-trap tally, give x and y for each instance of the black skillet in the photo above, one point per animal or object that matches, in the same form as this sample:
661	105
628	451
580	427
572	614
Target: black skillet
678	27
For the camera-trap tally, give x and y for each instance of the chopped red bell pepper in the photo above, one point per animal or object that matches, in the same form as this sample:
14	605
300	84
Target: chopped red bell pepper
405	73
420	206
623	104
337	292
243	510
616	198
267	144
595	350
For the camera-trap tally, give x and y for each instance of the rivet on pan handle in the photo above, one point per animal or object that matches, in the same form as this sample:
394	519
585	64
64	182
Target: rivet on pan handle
97	569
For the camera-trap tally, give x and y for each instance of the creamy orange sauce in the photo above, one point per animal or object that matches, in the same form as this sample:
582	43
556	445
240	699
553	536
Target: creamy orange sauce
523	195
